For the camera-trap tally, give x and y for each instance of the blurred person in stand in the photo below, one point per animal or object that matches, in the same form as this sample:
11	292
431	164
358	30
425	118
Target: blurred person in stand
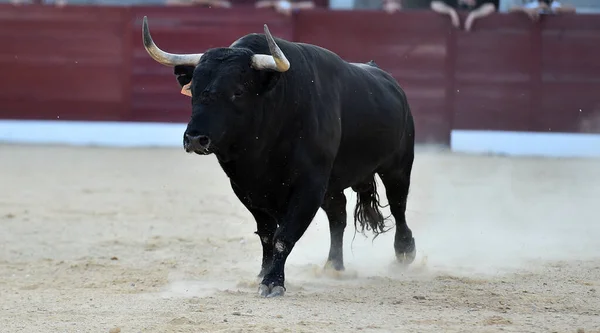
534	9
389	6
477	9
285	7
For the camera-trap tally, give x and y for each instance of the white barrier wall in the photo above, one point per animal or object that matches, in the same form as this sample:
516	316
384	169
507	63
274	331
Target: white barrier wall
98	133
341	4
137	134
525	143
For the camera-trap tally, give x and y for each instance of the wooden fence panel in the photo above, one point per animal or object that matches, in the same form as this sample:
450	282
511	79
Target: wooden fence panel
62	63
570	76
88	63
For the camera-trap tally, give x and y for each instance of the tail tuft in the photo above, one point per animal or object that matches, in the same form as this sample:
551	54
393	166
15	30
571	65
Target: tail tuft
366	212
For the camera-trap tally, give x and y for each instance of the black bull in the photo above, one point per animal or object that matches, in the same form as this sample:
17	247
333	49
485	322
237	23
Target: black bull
293	125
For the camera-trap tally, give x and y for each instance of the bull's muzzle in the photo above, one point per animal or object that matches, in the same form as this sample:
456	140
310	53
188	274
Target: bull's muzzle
199	144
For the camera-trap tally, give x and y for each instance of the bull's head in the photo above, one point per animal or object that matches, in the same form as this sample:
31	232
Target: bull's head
226	86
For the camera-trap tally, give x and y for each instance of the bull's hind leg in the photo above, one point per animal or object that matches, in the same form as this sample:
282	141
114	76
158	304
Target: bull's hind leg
396	179
334	205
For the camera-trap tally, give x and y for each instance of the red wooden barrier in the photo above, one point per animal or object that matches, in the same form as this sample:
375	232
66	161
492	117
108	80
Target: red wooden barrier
417	54
64	63
569	83
88	63
515	75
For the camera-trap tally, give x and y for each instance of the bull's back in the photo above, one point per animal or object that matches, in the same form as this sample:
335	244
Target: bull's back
367	95
375	119
364	102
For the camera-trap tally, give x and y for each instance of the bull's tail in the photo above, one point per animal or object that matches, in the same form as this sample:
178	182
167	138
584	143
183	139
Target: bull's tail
366	212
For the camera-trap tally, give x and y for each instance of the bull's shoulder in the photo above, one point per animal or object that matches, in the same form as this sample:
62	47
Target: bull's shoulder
372	63
370	69
375	76
367	65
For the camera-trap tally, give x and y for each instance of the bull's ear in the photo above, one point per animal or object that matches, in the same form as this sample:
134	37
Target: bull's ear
184	74
187	90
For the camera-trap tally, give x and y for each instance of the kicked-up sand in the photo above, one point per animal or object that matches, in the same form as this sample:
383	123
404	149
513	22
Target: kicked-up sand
154	240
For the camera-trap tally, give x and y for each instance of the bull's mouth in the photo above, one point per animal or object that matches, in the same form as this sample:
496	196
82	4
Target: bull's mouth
206	151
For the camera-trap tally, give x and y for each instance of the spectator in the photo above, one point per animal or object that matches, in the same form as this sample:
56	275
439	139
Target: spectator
285	7
390	6
477	9
536	8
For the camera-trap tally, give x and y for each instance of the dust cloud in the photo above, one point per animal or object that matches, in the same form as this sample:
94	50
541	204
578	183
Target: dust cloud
505	215
154	240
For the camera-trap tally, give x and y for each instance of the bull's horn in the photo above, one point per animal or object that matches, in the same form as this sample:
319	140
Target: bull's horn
276	61
165	58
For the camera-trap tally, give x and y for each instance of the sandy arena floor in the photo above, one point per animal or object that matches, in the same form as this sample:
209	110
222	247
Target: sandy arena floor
154	240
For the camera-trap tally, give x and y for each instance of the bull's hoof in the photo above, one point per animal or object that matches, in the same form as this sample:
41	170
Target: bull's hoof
334	265
406	252
336	271
271	290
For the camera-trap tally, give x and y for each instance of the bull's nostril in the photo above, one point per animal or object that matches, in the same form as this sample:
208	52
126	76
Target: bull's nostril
203	140
195	142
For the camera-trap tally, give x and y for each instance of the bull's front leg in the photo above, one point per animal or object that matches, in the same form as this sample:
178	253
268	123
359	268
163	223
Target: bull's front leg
302	207
266	226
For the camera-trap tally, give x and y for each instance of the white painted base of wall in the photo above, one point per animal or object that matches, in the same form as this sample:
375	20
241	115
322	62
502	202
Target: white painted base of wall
133	134
525	143
341	4
97	133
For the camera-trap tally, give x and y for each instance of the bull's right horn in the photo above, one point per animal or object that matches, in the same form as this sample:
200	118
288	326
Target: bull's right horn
275	61
165	58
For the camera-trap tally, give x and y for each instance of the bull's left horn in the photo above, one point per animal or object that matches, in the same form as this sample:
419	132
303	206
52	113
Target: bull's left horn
165	58
276	61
